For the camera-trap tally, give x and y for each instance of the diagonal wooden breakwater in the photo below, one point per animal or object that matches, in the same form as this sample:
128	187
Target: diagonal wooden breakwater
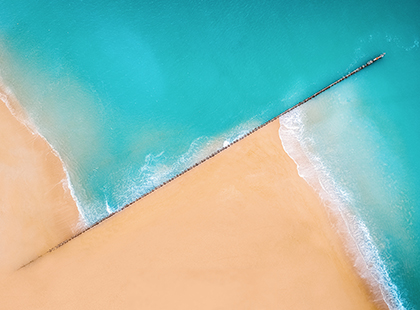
215	153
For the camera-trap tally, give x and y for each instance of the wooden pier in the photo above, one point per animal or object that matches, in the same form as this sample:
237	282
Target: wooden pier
370	62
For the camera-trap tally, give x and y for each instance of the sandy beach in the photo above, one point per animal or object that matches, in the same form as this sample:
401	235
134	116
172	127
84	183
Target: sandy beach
37	210
240	231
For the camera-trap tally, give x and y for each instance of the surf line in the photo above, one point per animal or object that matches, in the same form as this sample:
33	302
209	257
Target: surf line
210	156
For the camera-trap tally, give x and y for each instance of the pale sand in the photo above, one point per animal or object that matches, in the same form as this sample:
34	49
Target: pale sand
241	231
37	210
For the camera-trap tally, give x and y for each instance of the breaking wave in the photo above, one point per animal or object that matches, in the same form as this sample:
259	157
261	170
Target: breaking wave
338	199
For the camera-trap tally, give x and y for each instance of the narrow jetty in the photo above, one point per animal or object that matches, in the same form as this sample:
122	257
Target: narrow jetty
213	154
331	85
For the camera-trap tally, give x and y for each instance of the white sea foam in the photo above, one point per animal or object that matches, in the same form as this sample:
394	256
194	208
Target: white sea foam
6	96
159	168
338	199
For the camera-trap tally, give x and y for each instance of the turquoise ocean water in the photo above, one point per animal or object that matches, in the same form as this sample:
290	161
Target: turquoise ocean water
131	93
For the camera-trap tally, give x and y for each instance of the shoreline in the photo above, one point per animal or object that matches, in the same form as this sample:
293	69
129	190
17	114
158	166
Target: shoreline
38	210
352	230
223	235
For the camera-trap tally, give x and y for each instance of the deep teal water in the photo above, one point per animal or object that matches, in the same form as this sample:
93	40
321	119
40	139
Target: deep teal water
132	92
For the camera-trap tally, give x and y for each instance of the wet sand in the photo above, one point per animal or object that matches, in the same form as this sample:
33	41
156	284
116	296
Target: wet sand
240	231
37	210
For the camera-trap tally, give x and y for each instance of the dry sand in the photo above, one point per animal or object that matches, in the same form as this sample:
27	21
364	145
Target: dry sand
241	231
37	210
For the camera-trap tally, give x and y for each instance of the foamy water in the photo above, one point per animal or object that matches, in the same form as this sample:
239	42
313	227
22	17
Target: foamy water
300	135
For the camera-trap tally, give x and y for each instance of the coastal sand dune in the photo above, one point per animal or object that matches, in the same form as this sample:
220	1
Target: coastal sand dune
241	231
37	210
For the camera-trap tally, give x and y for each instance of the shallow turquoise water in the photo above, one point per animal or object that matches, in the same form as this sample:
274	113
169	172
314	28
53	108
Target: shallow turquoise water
130	93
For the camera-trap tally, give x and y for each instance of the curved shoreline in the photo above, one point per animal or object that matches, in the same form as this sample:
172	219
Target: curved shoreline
356	236
37	207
